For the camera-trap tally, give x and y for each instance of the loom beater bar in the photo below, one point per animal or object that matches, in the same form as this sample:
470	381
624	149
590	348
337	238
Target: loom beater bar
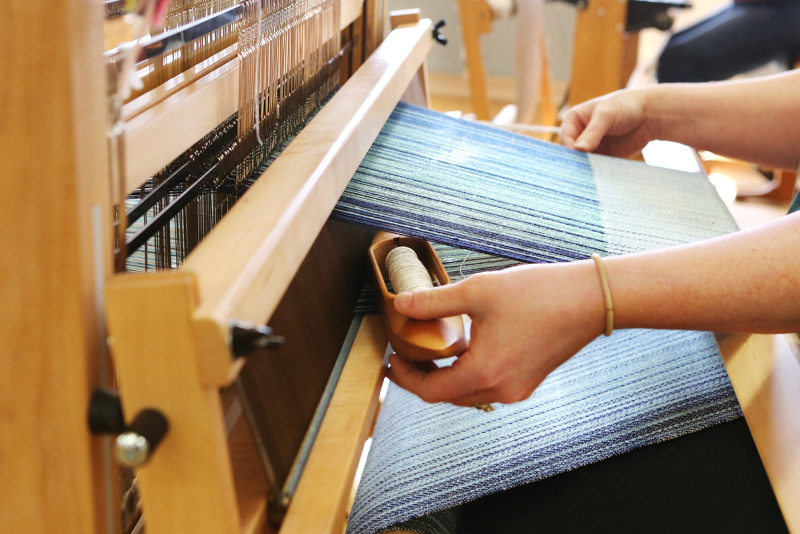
266	235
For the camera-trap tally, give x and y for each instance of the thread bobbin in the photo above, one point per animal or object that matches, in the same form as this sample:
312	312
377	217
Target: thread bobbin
406	271
418	340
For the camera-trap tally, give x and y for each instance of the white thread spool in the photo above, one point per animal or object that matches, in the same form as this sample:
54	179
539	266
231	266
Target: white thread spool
406	270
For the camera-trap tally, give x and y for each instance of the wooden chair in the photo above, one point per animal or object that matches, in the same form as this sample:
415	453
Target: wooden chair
476	18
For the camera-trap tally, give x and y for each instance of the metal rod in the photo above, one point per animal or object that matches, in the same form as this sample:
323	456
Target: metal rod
156	194
163	217
167	41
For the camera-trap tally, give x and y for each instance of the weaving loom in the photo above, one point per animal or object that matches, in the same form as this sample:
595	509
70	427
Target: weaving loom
247	435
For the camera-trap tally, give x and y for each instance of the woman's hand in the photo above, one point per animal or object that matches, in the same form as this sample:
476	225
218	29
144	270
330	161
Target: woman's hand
526	321
615	125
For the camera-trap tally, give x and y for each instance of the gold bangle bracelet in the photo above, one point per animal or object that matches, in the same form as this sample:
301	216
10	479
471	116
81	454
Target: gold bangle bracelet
601	270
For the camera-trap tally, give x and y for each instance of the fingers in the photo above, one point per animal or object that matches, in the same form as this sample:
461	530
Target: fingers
585	133
599	125
462	384
444	384
444	301
571	129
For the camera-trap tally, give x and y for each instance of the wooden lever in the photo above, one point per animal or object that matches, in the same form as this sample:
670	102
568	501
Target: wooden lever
411	338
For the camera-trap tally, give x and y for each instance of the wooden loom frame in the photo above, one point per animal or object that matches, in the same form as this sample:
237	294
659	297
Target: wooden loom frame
56	260
476	20
596	70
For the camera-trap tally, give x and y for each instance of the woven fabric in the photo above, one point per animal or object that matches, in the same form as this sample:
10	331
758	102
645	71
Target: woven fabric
474	187
637	388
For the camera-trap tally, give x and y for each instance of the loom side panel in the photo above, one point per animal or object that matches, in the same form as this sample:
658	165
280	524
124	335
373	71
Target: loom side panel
283	386
187	485
765	373
52	139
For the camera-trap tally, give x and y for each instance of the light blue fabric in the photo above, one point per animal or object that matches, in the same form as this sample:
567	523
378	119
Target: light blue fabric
633	389
470	186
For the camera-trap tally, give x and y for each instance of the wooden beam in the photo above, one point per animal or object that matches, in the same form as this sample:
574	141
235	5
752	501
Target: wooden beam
476	19
54	230
765	373
187	485
603	50
266	235
419	90
350	11
168	128
372	23
319	504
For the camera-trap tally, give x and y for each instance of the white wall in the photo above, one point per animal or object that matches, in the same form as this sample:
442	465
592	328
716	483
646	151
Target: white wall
498	46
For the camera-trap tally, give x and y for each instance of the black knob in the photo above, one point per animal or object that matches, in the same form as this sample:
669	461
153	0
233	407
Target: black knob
437	35
247	338
136	445
105	412
663	21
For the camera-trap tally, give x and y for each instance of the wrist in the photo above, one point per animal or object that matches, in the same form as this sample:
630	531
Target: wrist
589	300
653	102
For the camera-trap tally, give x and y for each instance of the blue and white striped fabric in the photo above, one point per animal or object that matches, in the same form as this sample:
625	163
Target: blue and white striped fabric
477	188
618	394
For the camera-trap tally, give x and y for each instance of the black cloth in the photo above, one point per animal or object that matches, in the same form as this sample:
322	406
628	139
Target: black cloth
736	39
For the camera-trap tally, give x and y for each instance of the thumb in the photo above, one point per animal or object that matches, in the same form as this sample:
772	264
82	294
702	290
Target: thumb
443	301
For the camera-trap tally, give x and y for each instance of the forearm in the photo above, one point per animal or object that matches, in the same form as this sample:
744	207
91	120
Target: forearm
743	282
755	120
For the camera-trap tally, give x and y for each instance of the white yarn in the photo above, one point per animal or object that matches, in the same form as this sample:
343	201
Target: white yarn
406	270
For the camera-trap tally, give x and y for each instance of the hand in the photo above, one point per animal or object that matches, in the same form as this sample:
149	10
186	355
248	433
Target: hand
526	321
614	125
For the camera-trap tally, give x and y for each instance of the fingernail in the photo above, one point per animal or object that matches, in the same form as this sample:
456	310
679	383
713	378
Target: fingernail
581	145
